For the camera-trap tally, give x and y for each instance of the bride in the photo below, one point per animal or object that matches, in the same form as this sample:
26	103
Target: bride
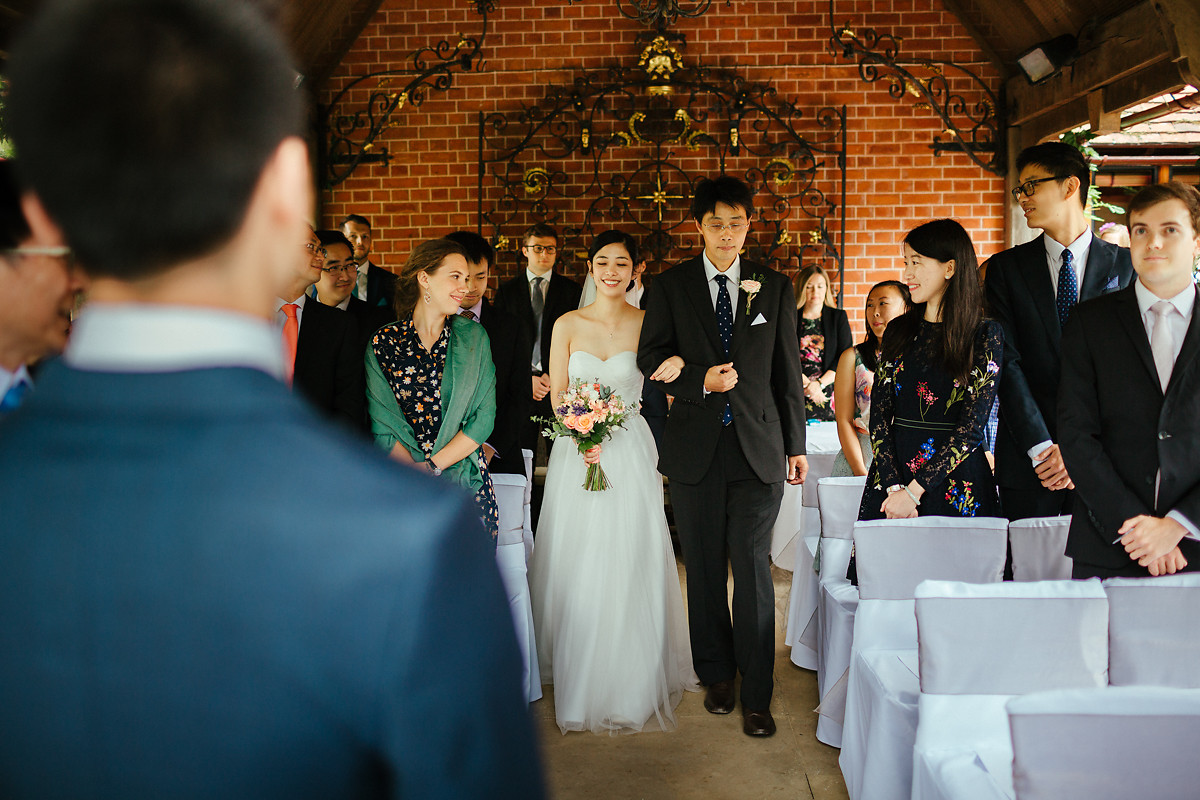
607	608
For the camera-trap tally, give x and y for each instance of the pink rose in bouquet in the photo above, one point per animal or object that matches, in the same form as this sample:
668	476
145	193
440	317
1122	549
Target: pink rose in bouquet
588	413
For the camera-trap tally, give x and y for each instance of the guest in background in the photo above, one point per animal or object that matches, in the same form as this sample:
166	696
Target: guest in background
321	345
823	331
934	387
192	604
538	296
637	286
510	344
40	286
1114	233
336	286
1030	291
431	384
373	284
1130	400
855	376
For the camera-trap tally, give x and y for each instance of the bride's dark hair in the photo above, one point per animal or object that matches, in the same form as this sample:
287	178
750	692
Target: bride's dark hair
613	237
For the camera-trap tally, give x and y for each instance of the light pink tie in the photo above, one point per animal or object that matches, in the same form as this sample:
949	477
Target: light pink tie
1162	342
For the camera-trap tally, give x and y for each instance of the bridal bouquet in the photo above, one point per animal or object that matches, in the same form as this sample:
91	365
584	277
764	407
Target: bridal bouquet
588	414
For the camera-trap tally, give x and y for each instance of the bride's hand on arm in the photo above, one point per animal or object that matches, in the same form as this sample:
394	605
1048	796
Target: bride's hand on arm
668	370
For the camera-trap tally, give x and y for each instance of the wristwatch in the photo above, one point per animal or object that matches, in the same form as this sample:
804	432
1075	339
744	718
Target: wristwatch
434	469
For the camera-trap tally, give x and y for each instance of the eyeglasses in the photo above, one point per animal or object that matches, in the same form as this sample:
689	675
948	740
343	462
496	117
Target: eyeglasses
732	227
1029	187
314	248
341	268
542	248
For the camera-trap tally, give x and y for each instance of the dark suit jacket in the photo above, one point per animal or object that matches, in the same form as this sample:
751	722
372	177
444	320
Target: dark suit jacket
381	287
1117	428
510	353
329	363
1020	297
561	296
768	400
232	601
835	327
654	401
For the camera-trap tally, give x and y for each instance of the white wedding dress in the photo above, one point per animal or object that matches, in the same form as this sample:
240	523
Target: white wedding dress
607	607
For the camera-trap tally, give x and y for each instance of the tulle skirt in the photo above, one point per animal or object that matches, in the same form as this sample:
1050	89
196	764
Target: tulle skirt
607	607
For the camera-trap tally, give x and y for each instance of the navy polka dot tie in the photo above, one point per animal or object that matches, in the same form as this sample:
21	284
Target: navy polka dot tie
725	328
1068	290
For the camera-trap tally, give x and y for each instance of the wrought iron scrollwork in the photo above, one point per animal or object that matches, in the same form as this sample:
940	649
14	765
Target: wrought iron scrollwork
972	125
625	146
349	137
661	14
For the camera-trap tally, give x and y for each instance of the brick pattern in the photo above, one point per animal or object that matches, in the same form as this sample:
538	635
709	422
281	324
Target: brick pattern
894	181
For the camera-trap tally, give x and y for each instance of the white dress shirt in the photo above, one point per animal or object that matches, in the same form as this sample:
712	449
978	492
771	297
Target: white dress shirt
1185	304
140	337
281	318
360	284
10	379
476	309
1080	248
536	355
734	274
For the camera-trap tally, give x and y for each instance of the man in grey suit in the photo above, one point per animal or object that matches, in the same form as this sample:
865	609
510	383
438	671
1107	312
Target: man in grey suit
184	613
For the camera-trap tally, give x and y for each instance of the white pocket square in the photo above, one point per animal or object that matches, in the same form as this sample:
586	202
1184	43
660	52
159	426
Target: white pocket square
759	320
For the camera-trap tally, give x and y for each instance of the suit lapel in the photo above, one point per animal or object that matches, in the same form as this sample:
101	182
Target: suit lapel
1036	276
695	285
741	318
1131	318
1101	268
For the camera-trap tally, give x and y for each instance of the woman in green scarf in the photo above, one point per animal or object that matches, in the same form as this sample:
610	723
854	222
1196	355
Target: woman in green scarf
431	384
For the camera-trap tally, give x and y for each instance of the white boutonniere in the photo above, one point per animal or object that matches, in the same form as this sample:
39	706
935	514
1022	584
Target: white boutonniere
751	286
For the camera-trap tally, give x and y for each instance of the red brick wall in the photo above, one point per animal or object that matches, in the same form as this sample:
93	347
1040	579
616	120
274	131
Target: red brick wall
894	179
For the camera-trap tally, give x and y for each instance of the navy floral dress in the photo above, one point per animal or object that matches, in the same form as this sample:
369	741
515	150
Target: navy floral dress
415	376
812	352
929	426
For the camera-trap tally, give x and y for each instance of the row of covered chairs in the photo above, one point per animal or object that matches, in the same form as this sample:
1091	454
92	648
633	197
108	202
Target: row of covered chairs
514	547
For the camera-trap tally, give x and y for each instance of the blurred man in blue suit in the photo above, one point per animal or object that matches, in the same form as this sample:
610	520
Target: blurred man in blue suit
183	611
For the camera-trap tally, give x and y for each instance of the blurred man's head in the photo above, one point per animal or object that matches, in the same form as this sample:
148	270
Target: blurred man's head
480	256
182	112
39	285
358	231
338	274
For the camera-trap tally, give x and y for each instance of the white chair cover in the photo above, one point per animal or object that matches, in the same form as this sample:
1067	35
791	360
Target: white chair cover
1154	631
893	556
979	645
510	558
793	522
1113	743
1039	548
837	599
527	455
800	633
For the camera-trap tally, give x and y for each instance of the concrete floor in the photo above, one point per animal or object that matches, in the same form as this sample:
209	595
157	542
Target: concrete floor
707	756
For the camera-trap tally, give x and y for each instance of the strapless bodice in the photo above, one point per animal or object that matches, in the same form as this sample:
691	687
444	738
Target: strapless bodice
620	372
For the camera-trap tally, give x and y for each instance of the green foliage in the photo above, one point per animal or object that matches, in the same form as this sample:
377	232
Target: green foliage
1079	138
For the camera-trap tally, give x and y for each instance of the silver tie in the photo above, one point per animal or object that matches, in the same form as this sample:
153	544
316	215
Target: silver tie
1162	342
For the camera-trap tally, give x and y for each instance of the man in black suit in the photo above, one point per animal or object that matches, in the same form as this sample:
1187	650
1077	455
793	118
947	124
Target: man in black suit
374	285
326	364
734	433
539	296
336	286
510	344
1129	404
654	401
1030	290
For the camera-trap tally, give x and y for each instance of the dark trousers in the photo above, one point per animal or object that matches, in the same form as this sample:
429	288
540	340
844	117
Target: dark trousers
727	518
1037	502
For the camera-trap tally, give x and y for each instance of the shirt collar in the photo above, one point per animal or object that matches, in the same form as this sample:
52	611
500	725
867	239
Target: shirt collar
11	379
476	309
1078	247
279	304
734	273
1183	302
141	337
530	275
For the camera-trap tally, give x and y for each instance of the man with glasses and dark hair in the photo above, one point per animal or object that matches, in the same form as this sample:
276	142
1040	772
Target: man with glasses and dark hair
1031	290
322	347
40	286
186	611
539	296
733	435
336	286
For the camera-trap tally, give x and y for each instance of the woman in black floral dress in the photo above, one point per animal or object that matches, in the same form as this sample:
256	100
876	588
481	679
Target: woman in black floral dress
934	388
823	332
431	383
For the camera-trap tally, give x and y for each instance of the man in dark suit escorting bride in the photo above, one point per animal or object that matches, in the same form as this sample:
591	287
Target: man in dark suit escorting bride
734	433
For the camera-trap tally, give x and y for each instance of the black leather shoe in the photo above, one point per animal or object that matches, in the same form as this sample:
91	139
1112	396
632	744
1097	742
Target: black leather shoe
719	698
758	723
